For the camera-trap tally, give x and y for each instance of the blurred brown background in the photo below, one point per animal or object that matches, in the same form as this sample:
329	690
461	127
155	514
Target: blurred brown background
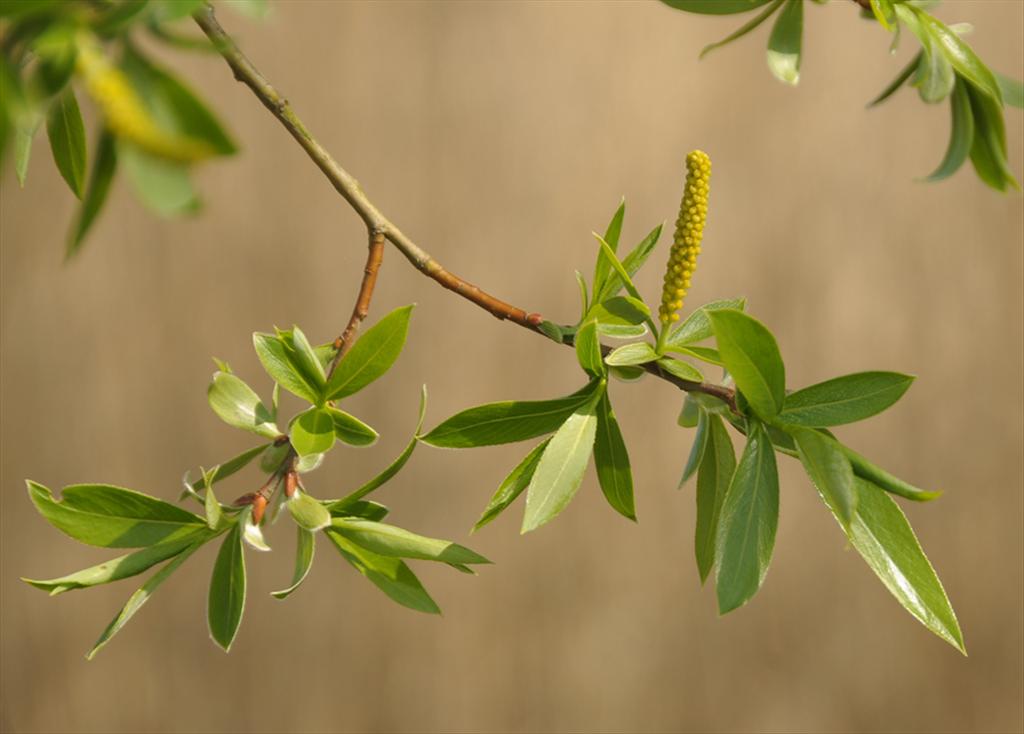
499	135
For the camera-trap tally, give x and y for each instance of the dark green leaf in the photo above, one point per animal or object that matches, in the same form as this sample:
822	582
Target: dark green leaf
988	153
611	459
961	134
371	356
227	590
588	350
743	29
699	446
366	509
747	523
66	131
513	485
238	405
303	562
313	432
715	7
389	540
103	168
752	357
844	399
829	470
784	43
716	471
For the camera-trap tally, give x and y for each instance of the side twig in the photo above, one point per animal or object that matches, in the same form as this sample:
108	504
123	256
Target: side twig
374	257
350	190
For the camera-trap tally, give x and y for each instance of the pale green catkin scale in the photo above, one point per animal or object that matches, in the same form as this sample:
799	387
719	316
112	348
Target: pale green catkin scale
689	232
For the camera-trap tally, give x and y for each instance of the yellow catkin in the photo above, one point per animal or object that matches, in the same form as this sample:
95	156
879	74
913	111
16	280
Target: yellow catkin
693	213
125	114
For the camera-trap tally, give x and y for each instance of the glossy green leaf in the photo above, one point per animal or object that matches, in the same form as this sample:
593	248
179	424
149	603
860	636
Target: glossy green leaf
103	168
752	357
680	369
371	356
697	326
304	358
743	29
308	512
844	399
881	534
227	590
611	459
620	310
1011	89
611	236
632	354
366	509
112	517
588	350
116	569
899	81
560	469
959	54
504	422
622	331
717	466
349	429
988	153
512	486
163	186
829	471
313	432
885	13
140	597
784	43
747	523
276	359
303	562
961	135
390	575
389	540
631	263
238	405
878	476
66	131
715	7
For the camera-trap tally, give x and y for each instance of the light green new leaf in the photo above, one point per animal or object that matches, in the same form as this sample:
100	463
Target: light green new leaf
784	43
960	55
885	14
275	358
622	331
505	422
844	399
697	325
699	446
312	432
829	470
66	131
1011	89
588	350
163	186
229	467
113	517
611	236
371	356
390	575
584	298
961	134
620	310
934	77
214	515
632	354
680	369
717	467
238	405
632	263
308	512
715	7
743	29
704	354
103	169
227	590
303	562
389	540
512	486
560	470
988	153
305	359
752	357
609	256
747	523
881	534
140	597
611	459
349	429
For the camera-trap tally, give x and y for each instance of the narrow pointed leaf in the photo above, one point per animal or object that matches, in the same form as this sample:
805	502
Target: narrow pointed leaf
238	405
66	131
697	449
389	540
829	470
227	590
611	236
512	486
988	153
743	29
588	350
611	459
892	484
303	562
371	356
961	134
898	82
231	466
785	41
210	504
103	169
717	467
960	55
844	399
752	357
632	263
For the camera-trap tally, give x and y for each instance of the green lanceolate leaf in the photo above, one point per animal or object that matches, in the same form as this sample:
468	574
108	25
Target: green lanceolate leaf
717	467
390	575
844	399
227	590
307	512
140	597
747	523
304	358
715	7
66	131
349	429
881	534
116	569
238	405
959	54
784	43
898	82
829	470
163	186
752	357
588	350
934	77
680	369
632	263
697	325
878	476
276	360
303	562
743	29
371	356
632	354
389	540
560	469
584	298
366	509
312	432
988	153
961	134
611	236
619	269
512	486
112	517
699	446
611	459
505	422
103	169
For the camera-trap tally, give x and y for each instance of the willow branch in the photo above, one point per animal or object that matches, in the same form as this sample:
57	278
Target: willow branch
374	257
350	190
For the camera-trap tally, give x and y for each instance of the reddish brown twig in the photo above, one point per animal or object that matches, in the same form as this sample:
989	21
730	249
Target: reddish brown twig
374	257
